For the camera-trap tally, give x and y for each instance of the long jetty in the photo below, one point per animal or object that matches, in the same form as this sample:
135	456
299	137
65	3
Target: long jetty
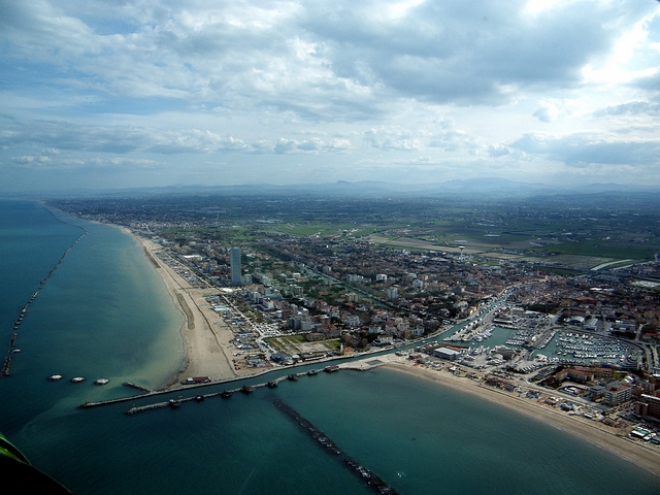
306	426
224	394
174	403
23	312
148	393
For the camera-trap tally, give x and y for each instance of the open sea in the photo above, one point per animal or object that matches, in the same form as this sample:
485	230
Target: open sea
103	312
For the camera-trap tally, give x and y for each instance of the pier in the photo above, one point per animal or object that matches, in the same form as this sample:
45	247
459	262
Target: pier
137	387
225	394
362	365
367	476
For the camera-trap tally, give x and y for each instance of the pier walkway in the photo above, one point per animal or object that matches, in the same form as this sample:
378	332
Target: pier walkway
362	365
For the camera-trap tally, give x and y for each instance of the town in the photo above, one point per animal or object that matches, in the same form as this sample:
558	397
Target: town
555	298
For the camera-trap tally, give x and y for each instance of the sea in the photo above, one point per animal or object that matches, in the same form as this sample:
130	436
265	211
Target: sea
102	311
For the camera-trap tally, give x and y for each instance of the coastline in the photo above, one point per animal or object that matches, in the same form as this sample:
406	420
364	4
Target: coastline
206	336
608	438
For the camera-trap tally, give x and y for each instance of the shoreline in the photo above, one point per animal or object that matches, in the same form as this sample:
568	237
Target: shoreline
206	339
206	336
608	438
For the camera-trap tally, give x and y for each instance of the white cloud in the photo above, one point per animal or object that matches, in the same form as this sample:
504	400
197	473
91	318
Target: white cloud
345	83
394	139
580	150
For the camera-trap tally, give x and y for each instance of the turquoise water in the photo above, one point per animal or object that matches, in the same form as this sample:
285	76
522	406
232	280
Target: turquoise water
104	313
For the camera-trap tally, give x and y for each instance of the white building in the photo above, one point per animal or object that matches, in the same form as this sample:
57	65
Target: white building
445	353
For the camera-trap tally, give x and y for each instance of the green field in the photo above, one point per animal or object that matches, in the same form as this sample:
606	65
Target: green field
296	344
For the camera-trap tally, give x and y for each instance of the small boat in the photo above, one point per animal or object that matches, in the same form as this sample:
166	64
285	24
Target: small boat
54	378
292	377
77	379
101	381
272	384
247	389
330	369
313	372
174	403
225	394
199	398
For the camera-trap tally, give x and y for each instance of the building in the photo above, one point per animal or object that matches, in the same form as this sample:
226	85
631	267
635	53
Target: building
648	405
392	293
617	393
446	353
235	257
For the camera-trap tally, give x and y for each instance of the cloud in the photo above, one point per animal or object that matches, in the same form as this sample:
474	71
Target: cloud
194	141
392	140
446	52
308	146
549	111
49	163
324	60
630	108
450	139
579	150
650	82
497	150
426	87
117	140
69	136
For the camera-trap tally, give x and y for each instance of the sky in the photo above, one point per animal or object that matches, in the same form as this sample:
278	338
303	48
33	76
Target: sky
115	94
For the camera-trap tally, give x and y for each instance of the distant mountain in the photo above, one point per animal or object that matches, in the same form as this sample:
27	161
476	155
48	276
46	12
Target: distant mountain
494	187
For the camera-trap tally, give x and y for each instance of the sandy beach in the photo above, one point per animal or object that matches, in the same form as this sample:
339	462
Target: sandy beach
612	439
206	336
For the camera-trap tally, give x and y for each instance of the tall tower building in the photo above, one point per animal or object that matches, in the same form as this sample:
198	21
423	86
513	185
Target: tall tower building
235	257
392	293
